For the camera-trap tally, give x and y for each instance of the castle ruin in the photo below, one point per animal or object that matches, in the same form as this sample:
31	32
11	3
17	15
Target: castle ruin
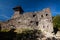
41	20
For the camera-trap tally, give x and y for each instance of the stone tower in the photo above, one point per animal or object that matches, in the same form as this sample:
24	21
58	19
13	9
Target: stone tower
17	12
45	20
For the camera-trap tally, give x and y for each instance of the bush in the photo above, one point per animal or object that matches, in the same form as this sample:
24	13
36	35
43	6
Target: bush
30	35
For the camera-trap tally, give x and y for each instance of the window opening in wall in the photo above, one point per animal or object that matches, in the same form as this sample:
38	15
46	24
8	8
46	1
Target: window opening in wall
47	26
18	22
41	15
50	20
46	14
37	23
43	26
34	15
31	21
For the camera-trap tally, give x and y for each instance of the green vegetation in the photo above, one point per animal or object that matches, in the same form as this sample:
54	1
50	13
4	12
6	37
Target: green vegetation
20	30
30	35
4	30
25	35
56	21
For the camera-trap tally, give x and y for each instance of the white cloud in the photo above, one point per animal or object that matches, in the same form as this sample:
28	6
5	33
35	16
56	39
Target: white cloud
5	16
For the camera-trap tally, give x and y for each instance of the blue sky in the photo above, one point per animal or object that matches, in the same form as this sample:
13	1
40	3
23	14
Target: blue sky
6	6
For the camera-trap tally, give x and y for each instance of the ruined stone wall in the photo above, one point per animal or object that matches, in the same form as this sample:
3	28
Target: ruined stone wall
41	20
44	19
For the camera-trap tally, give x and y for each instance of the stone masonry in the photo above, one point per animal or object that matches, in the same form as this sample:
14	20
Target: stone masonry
41	20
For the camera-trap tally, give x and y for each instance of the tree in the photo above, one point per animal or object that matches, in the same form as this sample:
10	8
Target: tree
56	21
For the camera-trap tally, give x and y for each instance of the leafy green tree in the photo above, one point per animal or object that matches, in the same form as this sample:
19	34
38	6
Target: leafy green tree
56	21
